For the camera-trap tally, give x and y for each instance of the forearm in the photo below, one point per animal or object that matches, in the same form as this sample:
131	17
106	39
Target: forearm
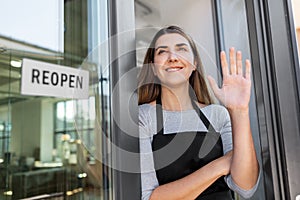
194	184
244	167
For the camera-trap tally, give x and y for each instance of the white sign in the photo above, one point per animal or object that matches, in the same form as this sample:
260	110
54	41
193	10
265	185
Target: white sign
46	79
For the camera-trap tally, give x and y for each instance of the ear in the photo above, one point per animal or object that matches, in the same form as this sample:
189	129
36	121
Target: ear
195	66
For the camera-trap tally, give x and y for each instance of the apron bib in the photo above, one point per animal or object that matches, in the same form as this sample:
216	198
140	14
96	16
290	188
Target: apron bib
177	155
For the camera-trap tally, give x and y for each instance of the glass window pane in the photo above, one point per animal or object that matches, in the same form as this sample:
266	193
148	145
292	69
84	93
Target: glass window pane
60	116
92	112
70	114
40	134
237	36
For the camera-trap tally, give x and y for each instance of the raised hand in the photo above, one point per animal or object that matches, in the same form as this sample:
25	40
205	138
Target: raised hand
236	88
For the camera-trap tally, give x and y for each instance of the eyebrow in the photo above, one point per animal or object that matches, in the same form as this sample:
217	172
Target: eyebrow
178	45
181	44
161	47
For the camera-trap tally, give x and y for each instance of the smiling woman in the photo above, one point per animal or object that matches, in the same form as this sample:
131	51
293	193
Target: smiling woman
186	141
161	56
173	54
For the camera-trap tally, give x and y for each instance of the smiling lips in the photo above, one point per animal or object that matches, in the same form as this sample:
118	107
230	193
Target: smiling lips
174	69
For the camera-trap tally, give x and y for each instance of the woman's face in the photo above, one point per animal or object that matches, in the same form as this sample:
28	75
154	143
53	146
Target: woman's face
173	60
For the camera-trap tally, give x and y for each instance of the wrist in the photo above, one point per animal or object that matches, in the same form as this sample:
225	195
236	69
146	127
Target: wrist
222	166
239	111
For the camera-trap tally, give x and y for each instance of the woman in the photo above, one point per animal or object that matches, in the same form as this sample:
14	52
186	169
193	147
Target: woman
187	143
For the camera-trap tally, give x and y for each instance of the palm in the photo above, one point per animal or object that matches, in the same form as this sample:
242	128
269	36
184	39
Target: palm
235	91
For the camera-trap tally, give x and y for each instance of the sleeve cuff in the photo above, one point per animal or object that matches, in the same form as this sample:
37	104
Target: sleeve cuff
244	193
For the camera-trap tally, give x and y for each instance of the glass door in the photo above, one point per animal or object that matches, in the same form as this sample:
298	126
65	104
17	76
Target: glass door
52	146
237	35
215	26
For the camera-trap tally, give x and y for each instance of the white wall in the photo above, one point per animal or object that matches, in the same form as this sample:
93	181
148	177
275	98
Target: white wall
26	126
4	113
47	130
32	128
195	17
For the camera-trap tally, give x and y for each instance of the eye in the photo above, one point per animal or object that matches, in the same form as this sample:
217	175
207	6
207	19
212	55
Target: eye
182	49
161	51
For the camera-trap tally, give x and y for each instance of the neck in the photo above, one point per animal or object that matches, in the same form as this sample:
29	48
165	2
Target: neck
176	99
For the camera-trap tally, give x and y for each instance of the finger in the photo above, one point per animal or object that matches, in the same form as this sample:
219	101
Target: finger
239	63
232	61
224	64
248	70
214	86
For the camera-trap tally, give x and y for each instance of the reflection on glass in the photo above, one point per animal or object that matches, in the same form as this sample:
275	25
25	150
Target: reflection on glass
48	145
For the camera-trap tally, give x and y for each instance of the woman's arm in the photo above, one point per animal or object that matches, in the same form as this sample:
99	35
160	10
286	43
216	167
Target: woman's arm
244	167
235	96
194	184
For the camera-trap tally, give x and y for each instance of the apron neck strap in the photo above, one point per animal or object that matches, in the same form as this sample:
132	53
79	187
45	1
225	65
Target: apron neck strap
203	118
159	116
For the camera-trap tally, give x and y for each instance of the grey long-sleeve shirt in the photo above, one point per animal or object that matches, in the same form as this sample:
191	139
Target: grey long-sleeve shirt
180	121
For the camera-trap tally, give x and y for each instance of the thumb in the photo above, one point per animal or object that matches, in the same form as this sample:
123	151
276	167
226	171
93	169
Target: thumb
214	85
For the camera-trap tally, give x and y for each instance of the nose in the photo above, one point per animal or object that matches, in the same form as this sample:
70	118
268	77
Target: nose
173	57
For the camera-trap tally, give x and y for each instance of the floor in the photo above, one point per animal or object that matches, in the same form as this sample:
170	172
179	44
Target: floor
79	194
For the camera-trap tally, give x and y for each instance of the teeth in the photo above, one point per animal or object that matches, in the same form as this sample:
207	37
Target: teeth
173	69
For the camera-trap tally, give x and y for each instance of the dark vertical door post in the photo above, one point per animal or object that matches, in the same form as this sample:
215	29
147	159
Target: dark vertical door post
276	74
124	106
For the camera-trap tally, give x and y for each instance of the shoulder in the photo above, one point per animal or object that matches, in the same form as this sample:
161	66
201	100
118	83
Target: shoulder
145	108
146	112
212	108
217	114
147	119
215	109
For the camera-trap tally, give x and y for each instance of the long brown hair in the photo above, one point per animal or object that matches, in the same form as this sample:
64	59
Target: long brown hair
148	84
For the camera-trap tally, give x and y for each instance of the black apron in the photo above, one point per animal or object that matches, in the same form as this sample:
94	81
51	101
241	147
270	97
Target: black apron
177	155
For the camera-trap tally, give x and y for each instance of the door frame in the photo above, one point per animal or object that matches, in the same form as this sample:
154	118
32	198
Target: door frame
276	78
124	106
